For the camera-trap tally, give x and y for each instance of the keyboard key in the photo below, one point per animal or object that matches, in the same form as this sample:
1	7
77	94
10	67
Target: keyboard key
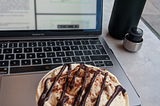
89	47
96	52
12	44
57	60
56	49
74	48
3	70
23	44
76	42
9	56
68	43
80	62
41	43
66	59
1	57
17	50
46	49
108	63
38	49
100	57
65	48
78	53
31	55
32	44
20	56
100	47
51	43
14	63
95	42
33	68
59	43
75	59
3	63
45	61
99	63
85	42
26	62
59	54
90	63
7	50
93	47
27	50
3	45
40	55
51	54
87	52
83	47
69	53
36	61
85	58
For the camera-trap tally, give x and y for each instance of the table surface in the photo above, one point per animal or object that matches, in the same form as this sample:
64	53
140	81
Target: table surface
142	67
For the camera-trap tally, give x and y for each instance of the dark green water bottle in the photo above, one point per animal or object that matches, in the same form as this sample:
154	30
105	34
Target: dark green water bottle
125	15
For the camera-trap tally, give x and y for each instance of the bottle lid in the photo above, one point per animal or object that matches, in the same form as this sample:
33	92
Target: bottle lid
135	34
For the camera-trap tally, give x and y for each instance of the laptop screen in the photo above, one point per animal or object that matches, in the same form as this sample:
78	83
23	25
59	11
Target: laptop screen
50	15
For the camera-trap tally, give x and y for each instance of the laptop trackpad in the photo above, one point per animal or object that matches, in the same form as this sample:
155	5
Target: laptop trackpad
19	90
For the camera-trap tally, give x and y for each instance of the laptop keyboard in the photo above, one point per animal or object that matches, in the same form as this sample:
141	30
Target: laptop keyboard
31	56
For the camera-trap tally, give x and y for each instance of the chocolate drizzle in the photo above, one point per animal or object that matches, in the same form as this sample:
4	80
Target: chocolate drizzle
118	89
45	88
100	92
45	95
73	79
63	98
88	89
76	101
47	91
61	103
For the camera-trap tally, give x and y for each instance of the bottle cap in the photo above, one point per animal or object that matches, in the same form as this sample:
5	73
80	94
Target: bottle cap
135	34
133	40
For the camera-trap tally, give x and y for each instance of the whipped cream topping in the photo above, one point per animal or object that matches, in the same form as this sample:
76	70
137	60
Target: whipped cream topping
80	85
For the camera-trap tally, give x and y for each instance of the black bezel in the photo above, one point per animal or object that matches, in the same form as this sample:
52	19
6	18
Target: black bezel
24	33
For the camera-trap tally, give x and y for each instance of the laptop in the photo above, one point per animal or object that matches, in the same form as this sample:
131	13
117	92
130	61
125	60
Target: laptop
39	35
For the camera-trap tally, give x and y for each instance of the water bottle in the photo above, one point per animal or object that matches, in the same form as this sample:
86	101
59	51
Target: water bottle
125	15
